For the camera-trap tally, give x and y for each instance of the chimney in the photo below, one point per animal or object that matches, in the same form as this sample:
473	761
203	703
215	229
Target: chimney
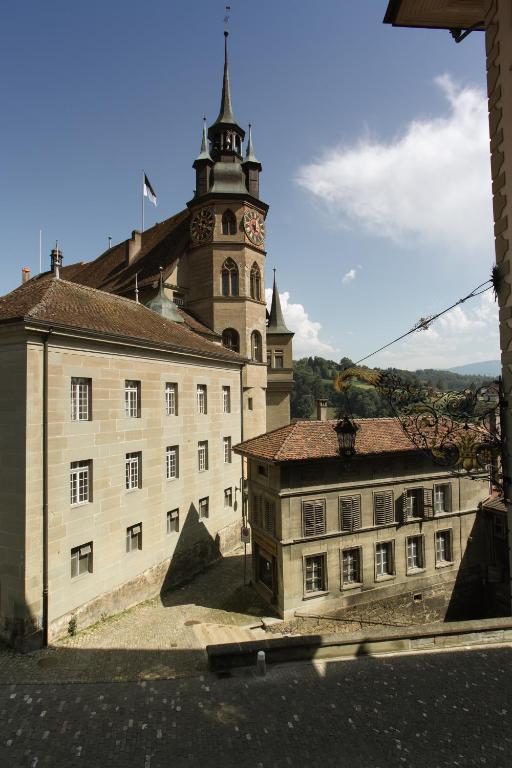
321	410
133	246
25	275
56	261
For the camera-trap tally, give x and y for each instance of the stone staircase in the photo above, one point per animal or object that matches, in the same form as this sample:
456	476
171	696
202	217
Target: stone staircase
218	634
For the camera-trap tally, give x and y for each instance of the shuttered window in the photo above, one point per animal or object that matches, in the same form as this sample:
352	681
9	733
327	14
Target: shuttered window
412	500
270	517
313	517
350	513
383	508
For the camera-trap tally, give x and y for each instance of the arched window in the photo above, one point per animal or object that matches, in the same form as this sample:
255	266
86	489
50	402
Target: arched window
228	223
255	282
256	346
231	339
229	278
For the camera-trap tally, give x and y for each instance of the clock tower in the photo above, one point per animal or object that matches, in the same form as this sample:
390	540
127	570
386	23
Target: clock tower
224	272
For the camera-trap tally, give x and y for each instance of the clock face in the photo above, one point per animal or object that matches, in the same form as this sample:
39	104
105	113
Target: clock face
202	226
254	227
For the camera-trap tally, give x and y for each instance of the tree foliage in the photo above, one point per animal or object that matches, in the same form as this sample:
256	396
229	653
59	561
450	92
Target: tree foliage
313	379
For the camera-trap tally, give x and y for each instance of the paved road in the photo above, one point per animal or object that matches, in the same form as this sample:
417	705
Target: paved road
435	710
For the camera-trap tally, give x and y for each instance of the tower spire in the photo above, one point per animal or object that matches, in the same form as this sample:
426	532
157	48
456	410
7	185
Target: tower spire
226	109
276	324
204	152
249	155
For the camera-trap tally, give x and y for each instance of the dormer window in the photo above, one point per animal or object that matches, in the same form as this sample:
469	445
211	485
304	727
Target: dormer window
228	223
255	282
229	278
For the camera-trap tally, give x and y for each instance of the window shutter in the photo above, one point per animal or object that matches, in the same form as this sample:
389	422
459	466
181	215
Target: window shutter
428	503
346	513
383	506
449	497
308	518
356	512
404	507
319	517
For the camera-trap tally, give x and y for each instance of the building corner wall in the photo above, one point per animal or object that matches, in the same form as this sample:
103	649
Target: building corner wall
498	43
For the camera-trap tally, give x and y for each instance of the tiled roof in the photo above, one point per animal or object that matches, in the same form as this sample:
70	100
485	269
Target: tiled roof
495	504
71	305
303	440
160	247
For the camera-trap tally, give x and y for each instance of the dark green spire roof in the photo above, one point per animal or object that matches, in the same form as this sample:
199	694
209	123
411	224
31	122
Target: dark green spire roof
204	153
226	109
250	157
163	305
276	324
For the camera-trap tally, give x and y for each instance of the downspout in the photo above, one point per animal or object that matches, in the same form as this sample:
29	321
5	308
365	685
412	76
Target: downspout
45	489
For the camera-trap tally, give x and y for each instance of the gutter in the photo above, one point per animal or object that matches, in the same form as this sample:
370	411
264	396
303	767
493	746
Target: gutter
45	488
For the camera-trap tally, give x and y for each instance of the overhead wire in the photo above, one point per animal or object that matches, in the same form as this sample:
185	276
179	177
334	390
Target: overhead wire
426	322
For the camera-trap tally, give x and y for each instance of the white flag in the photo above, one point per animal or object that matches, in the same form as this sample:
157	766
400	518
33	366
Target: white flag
149	192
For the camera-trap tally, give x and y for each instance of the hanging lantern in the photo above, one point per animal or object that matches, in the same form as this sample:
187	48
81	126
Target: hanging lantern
346	430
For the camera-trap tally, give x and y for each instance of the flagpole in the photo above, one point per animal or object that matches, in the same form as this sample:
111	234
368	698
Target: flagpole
143	200
40	251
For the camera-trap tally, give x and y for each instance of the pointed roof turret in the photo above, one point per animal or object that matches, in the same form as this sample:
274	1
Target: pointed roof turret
226	116
250	157
204	152
276	324
163	305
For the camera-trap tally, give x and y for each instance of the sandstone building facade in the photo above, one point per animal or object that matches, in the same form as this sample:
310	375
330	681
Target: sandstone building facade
331	531
127	380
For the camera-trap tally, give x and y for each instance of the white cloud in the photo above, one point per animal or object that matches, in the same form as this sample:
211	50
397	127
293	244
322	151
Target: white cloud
307	332
349	276
466	334
431	184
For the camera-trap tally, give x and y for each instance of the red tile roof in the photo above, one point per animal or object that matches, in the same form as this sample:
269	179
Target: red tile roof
303	440
71	305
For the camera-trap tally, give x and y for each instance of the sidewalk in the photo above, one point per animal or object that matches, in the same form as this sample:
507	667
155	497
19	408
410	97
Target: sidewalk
162	638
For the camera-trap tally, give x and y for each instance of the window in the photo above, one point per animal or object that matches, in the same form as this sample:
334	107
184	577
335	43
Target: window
255	282
173	521
226	399
442	498
350	513
256	346
265	571
278	358
414	553
270	516
134	537
172	462
132	399
81	399
500	526
227	450
204	507
229	278
202	399
443	547
262	470
256	510
133	470
384	559
413	503
269	358
81	560
314	574
228	497
202	455
351	566
228	223
171	399
383	508
80	482
231	339
313	517
249	404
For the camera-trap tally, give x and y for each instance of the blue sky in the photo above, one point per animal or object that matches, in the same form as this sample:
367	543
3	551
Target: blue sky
372	139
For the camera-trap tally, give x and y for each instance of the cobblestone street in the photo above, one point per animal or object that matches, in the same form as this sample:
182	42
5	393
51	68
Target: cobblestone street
161	638
437	711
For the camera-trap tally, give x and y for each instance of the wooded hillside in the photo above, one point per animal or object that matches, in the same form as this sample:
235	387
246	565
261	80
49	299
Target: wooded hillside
313	378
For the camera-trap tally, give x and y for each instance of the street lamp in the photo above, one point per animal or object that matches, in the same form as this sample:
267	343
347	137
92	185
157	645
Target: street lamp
346	430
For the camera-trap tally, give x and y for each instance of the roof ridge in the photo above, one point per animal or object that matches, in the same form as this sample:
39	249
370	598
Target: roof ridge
43	301
287	438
